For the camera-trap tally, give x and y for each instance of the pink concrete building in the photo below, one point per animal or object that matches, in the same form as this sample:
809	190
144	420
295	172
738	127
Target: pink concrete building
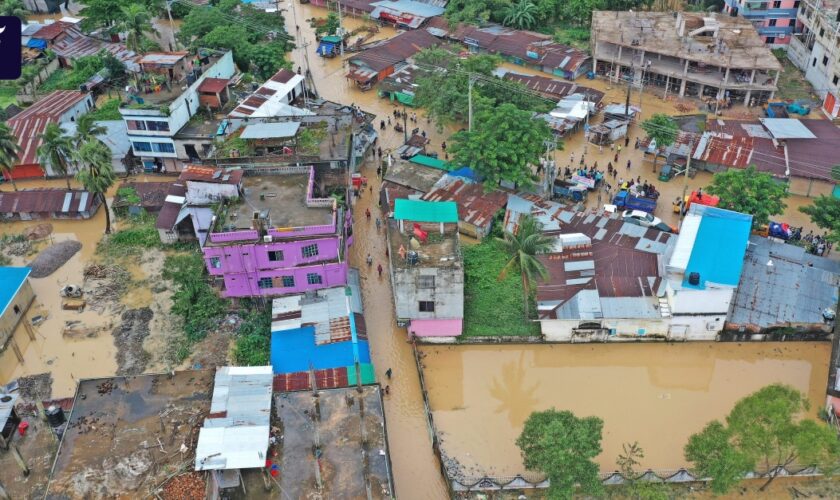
279	237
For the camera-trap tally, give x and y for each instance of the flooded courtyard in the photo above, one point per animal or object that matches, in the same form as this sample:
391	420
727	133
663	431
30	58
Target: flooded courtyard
656	394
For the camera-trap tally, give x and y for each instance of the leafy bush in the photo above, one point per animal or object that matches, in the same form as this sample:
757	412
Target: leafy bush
253	342
492	307
194	300
109	110
139	234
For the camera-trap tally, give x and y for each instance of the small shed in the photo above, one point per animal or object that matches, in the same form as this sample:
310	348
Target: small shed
236	431
329	46
213	92
607	132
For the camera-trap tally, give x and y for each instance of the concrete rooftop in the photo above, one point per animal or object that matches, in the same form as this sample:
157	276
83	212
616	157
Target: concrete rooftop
440	250
737	44
284	197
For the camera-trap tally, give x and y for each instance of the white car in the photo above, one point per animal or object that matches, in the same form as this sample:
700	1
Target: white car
641	218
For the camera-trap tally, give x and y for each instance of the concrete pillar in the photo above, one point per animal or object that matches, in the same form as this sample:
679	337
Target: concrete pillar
776	80
726	77
700	92
685	69
16	350
682	88
747	98
619	53
752	76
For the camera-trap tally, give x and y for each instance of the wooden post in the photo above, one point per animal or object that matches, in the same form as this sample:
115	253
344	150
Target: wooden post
28	327
16	350
19	459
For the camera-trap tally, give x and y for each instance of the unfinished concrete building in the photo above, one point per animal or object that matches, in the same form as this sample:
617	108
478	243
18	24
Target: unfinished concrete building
692	55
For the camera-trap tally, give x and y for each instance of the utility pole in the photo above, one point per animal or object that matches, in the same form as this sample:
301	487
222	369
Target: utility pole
469	100
405	126
308	75
627	101
685	177
340	30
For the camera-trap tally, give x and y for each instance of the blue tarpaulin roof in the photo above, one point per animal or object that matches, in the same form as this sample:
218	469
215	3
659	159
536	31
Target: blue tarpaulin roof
465	172
295	351
12	279
36	43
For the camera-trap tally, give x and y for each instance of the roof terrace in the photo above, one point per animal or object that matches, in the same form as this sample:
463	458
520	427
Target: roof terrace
421	244
283	200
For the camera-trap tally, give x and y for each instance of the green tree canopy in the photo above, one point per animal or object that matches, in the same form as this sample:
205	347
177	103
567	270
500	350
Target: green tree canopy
9	151
267	58
96	173
663	129
825	213
765	430
14	8
563	446
751	192
328	27
504	143
523	247
443	87
56	149
101	13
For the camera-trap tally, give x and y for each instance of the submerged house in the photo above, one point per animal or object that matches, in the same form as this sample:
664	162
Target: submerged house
525	48
33	204
611	280
15	299
322	332
374	64
427	270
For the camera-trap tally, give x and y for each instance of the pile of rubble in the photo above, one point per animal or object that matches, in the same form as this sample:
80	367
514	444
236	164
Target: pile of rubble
187	486
53	257
105	284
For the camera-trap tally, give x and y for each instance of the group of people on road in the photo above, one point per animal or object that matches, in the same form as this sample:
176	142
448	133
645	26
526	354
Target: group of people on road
818	245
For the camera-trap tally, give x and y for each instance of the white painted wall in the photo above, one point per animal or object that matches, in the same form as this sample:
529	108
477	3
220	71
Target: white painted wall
205	193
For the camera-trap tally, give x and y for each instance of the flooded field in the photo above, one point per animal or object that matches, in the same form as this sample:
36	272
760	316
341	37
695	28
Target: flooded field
656	394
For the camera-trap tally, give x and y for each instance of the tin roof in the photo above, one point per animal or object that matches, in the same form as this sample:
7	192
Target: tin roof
58	201
328	312
552	88
394	50
270	130
213	85
474	205
163	58
76	44
235	433
172	205
272	98
417	177
209	174
795	289
787	128
53	30
30	123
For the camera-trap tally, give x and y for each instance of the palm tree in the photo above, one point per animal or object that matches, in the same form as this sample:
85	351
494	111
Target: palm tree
523	248
55	149
9	151
520	14
136	24
97	174
87	130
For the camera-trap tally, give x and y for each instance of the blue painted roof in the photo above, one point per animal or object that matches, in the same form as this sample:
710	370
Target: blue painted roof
11	279
295	350
718	252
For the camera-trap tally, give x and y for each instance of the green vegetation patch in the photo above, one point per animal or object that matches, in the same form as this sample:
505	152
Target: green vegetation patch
139	234
253	341
493	307
109	110
194	300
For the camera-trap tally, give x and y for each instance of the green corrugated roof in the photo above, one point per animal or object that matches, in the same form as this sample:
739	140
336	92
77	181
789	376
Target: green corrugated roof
368	375
426	211
331	39
428	161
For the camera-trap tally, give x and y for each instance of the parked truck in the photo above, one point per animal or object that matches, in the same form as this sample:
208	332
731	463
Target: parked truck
571	190
776	110
628	201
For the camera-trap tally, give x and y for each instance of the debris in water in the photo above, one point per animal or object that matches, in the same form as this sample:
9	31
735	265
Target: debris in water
53	257
36	387
128	338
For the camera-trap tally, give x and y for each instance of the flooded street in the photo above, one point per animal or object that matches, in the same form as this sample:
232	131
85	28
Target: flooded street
656	394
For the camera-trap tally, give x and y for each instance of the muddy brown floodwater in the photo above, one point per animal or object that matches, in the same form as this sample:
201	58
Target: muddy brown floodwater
656	394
